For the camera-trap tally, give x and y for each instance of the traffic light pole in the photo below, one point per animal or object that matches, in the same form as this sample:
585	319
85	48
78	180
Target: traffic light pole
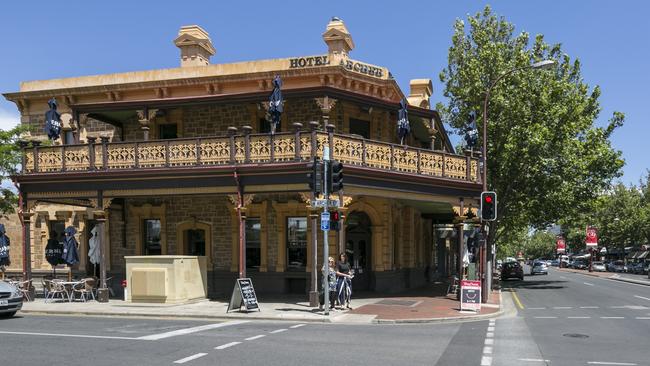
326	247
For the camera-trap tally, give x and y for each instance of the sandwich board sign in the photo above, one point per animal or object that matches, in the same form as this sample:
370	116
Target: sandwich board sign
470	295
243	295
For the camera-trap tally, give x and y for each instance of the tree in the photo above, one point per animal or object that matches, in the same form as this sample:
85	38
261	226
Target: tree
10	156
546	159
540	244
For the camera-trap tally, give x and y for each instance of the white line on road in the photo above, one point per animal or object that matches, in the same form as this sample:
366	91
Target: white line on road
612	317
611	363
279	331
489	335
256	337
489	341
641	297
536	308
490	329
643	317
67	335
155	337
546	317
486	361
588	284
578	317
224	346
562	277
562	307
487	350
297	326
532	360
589	307
190	358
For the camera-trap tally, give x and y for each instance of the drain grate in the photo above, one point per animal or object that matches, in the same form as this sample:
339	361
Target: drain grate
575	335
397	302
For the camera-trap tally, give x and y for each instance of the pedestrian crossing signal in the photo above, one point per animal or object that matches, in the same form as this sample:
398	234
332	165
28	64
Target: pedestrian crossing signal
335	216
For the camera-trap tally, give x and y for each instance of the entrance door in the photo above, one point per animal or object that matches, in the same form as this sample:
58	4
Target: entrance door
195	242
358	249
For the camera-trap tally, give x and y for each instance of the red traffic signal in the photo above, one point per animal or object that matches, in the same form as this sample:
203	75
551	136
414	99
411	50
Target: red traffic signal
489	206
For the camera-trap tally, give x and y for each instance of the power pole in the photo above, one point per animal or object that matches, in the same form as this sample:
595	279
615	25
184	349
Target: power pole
326	254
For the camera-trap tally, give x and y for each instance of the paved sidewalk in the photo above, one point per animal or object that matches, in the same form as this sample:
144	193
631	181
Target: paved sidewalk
641	280
427	304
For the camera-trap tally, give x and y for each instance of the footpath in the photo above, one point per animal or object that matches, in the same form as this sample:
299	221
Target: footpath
637	279
424	305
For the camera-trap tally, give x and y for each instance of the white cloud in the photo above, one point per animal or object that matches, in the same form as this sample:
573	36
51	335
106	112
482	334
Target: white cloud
8	119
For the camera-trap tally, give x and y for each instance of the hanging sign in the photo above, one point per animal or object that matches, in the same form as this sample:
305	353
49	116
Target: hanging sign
243	295
560	245
470	295
592	237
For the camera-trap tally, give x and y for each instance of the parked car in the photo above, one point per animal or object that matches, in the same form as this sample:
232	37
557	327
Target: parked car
580	264
555	263
512	270
646	268
539	268
598	267
617	266
636	268
11	299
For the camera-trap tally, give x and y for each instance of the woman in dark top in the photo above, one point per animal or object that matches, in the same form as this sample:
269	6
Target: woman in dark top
343	281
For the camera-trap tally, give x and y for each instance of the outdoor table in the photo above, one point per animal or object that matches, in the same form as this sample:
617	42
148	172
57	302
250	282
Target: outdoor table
68	286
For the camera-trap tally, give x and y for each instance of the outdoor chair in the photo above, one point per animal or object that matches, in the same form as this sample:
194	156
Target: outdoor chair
84	288
24	287
57	288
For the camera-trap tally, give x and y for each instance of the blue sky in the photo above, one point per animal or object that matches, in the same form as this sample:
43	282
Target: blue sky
44	40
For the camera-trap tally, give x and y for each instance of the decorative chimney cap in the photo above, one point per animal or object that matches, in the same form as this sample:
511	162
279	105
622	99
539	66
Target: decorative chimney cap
195	44
338	37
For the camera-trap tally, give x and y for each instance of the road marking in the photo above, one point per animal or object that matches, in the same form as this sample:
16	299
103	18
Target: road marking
588	284
612	317
563	277
256	337
589	307
490	329
190	358
224	346
562	307
532	360
174	333
279	331
611	363
489	335
486	361
546	317
297	326
514	296
489	341
536	308
641	297
578	317
487	350
643	317
68	335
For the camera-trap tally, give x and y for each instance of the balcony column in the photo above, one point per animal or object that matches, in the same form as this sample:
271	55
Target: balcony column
432	134
145	117
104	139
313	127
297	126
232	131
23	147
247	143
326	105
35	145
27	243
91	151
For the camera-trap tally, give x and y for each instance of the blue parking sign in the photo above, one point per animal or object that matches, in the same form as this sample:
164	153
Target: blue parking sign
325	221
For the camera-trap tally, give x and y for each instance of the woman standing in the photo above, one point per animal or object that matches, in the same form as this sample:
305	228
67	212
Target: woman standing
343	281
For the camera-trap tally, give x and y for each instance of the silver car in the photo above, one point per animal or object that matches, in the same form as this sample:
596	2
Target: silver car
11	299
598	267
539	268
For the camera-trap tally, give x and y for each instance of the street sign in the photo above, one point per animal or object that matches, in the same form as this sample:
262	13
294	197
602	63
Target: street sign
592	237
470	295
325	221
323	203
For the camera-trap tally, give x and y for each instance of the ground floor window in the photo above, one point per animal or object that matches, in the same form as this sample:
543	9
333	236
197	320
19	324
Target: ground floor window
57	229
296	243
152	237
253	247
195	242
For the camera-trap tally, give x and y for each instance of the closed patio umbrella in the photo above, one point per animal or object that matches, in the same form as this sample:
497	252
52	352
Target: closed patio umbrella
403	125
94	254
4	248
52	121
54	252
275	104
70	252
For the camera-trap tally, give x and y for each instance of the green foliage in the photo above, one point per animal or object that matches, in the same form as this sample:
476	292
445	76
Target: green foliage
9	161
546	159
540	245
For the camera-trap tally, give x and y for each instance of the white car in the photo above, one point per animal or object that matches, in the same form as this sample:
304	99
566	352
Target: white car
539	268
598	267
11	299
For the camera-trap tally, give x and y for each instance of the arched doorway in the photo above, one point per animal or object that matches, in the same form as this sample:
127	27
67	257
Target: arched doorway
358	236
195	238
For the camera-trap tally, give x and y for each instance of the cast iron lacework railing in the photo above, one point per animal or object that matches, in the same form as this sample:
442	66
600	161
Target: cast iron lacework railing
246	149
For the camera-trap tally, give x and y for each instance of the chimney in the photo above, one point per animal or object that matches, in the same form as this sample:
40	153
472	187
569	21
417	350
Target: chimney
421	90
338	39
196	47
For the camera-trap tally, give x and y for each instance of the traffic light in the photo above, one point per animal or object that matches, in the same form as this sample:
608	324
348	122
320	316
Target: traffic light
488	206
315	177
335	216
336	176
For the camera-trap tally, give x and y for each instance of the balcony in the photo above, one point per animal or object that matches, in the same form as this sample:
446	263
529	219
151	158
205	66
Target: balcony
247	151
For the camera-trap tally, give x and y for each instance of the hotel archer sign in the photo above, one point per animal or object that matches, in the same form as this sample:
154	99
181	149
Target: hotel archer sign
313	61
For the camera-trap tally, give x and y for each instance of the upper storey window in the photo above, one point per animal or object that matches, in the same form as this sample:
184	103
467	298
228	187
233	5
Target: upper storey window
360	127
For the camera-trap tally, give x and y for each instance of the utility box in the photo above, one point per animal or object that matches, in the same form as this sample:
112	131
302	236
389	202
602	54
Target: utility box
170	279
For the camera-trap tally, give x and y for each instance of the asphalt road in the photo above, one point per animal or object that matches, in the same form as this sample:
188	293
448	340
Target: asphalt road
65	340
572	319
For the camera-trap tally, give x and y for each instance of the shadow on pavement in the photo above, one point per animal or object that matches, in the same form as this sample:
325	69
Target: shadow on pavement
533	285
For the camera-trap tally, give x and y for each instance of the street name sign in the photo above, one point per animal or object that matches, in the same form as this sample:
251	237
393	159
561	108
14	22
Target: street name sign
323	203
